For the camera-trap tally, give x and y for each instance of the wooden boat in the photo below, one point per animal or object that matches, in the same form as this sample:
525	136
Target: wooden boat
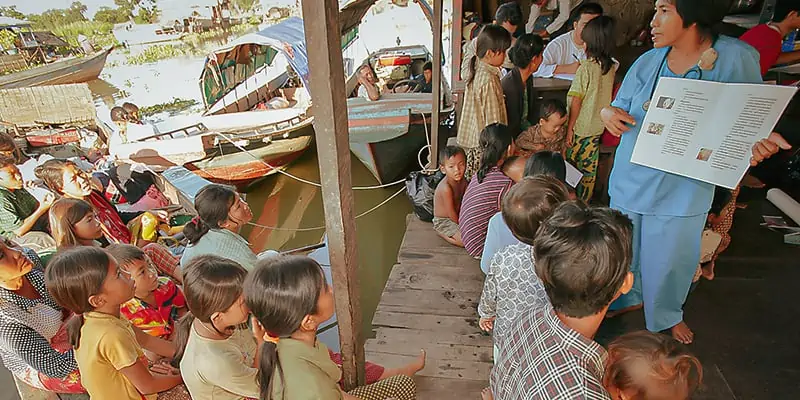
69	70
256	120
387	135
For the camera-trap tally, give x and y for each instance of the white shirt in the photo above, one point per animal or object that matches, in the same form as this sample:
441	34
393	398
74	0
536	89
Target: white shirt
564	7
560	51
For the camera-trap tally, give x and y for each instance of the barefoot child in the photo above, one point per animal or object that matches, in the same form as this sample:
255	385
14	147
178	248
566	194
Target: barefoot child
549	134
289	298
484	103
109	351
590	92
511	286
646	365
449	192
157	302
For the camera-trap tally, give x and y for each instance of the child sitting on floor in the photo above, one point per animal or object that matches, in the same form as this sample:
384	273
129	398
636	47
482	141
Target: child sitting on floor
486	188
720	221
157	302
498	235
511	286
109	351
646	365
449	192
549	134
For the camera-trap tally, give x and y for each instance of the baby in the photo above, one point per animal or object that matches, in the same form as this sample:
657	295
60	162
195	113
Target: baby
449	192
549	134
646	365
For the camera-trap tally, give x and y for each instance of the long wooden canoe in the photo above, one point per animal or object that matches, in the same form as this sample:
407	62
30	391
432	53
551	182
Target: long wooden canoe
71	70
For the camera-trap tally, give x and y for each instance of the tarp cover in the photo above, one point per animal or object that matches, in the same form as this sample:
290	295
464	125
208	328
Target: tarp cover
230	65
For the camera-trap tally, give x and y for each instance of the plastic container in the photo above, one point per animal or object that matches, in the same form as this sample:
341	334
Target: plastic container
789	42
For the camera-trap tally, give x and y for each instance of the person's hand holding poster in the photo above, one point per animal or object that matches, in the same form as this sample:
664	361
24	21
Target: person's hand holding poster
706	130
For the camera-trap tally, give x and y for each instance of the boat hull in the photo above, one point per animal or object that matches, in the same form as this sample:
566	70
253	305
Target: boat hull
76	70
389	160
229	164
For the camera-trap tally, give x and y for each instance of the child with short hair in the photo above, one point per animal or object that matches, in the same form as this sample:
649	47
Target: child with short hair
549	134
157	302
511	286
109	351
449	193
486	188
132	112
289	298
590	92
484	103
646	365
583	257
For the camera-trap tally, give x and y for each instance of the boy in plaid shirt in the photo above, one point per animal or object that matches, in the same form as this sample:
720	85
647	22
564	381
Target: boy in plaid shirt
583	258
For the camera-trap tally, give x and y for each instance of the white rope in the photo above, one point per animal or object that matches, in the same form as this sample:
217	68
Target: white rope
297	178
316	228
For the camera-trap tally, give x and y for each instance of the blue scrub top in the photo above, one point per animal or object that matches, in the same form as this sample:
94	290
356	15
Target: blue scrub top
648	191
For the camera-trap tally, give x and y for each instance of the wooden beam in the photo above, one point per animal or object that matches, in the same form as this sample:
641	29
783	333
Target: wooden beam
437	82
327	81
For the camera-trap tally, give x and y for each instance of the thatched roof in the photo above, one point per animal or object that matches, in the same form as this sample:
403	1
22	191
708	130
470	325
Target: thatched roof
47	105
49	39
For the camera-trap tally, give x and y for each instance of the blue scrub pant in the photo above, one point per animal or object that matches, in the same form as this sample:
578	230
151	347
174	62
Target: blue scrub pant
666	251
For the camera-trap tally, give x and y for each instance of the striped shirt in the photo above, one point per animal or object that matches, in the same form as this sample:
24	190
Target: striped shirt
481	201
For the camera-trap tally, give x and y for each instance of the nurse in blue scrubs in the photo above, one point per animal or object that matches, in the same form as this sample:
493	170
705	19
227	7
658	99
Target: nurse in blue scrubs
669	211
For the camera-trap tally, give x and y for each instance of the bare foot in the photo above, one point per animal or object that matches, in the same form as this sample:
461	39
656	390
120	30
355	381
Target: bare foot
486	394
708	271
419	363
682	333
612	314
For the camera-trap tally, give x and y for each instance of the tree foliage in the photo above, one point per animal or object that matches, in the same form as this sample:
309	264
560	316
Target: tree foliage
11	11
111	15
244	5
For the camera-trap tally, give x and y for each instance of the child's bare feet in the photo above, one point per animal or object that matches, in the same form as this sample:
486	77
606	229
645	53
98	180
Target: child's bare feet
682	333
419	363
612	314
409	369
708	270
486	394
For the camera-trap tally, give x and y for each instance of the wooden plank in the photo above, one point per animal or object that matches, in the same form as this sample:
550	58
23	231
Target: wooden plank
437	83
434	351
426	256
438	388
421	338
435	277
423	322
452	369
329	108
432	302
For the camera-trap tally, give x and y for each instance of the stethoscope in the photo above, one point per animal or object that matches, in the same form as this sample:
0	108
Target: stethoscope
695	73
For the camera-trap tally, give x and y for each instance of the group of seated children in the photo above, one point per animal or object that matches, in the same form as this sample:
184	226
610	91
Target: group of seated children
106	322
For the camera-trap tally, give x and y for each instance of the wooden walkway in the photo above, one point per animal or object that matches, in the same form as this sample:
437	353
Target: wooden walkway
430	302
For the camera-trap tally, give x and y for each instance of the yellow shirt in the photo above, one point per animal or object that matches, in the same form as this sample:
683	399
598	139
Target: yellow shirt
220	369
307	373
108	344
595	89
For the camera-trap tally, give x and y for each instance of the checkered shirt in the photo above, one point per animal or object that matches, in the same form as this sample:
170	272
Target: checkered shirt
541	358
484	104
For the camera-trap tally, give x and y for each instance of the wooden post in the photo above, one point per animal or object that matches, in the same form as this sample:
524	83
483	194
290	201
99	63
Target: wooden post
436	83
323	41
